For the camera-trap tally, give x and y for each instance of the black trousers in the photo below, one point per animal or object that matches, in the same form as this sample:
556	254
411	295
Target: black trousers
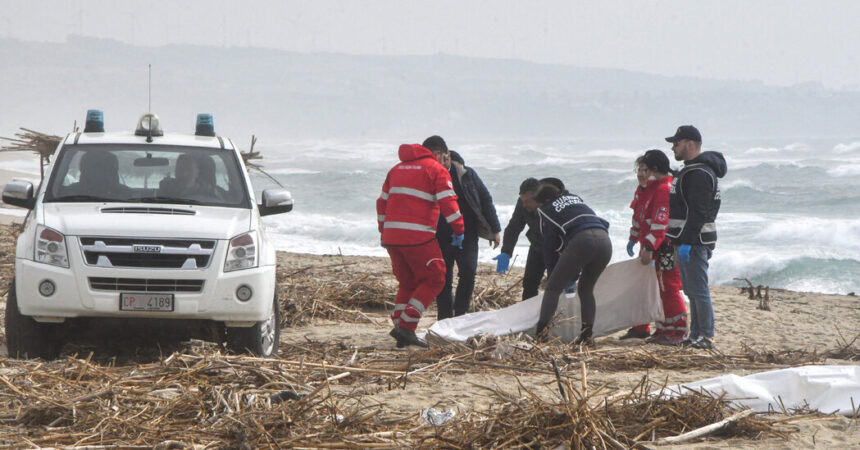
535	269
448	305
587	253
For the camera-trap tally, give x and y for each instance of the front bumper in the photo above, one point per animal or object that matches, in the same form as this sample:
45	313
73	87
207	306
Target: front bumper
74	297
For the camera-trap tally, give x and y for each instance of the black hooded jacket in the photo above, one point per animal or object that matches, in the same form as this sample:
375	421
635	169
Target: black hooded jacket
476	203
560	220
519	220
694	200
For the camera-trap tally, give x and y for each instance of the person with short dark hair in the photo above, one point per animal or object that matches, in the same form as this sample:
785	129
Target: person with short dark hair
480	220
525	214
576	246
694	202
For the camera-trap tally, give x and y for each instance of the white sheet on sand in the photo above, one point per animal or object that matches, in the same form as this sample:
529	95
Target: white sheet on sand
825	388
626	293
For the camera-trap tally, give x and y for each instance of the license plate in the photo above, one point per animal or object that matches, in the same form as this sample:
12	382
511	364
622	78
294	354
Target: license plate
145	302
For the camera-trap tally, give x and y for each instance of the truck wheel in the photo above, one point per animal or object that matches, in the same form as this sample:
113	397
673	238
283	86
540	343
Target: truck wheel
261	339
26	338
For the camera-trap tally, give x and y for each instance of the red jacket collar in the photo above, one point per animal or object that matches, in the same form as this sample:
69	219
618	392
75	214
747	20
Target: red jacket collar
652	184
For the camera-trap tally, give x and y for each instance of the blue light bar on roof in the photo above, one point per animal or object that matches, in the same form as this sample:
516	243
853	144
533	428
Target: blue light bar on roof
205	125
95	122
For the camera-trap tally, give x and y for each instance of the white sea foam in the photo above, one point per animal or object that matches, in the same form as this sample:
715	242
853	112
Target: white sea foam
736	183
845	170
798	146
552	161
292	171
852	147
833	238
17	212
762	150
606	169
26	167
614	153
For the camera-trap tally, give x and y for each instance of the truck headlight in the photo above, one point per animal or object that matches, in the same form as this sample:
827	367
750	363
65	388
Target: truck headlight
242	252
51	247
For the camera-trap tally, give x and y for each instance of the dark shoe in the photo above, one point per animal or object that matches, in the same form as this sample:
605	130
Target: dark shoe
584	337
406	337
655	338
542	332
703	344
670	340
689	342
585	342
393	333
633	333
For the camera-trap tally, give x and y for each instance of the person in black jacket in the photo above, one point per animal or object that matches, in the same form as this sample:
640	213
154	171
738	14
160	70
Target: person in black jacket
576	245
479	216
694	201
525	213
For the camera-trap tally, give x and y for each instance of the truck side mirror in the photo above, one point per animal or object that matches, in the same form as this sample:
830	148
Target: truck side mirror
276	201
19	193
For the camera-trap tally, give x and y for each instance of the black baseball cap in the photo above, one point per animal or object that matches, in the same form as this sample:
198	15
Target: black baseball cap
685	132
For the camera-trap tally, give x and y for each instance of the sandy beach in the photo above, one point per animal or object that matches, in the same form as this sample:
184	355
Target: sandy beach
340	306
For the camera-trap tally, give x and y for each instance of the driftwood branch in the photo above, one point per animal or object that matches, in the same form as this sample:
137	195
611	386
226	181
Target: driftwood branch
706	430
750	289
764	303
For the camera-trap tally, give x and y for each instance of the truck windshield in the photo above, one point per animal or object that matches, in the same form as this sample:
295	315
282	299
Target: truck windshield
145	173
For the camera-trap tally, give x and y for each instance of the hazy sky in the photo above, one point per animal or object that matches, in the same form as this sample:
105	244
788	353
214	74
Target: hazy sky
776	41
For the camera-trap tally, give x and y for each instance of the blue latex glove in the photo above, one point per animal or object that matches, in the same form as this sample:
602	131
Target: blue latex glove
504	260
684	253
630	245
457	240
570	288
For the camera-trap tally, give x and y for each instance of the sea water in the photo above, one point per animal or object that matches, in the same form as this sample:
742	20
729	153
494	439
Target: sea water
790	215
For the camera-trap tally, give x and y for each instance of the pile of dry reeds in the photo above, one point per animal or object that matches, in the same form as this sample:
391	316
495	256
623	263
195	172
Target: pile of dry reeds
496	293
520	354
846	349
198	398
590	420
28	140
323	292
201	397
8	238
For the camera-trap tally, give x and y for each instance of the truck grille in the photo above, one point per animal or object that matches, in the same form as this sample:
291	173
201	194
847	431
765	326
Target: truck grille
145	285
147	253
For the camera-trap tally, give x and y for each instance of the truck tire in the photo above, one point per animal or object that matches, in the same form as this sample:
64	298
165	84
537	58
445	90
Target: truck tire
26	338
261	339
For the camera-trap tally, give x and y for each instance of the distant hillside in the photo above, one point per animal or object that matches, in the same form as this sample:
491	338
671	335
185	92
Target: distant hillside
284	95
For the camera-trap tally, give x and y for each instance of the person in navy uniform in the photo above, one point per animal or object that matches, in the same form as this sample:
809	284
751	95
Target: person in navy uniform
525	214
576	246
694	201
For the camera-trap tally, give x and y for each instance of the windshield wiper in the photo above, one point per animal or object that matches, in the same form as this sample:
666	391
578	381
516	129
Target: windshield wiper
178	200
83	198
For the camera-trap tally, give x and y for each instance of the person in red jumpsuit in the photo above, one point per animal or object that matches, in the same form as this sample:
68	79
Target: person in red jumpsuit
639	331
413	194
652	213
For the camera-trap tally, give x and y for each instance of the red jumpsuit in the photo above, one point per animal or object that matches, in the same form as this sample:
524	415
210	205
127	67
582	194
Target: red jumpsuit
652	214
407	211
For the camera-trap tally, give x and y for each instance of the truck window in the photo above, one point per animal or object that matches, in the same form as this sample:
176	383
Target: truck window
136	173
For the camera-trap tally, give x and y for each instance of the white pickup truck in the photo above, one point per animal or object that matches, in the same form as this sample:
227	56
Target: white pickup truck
139	226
